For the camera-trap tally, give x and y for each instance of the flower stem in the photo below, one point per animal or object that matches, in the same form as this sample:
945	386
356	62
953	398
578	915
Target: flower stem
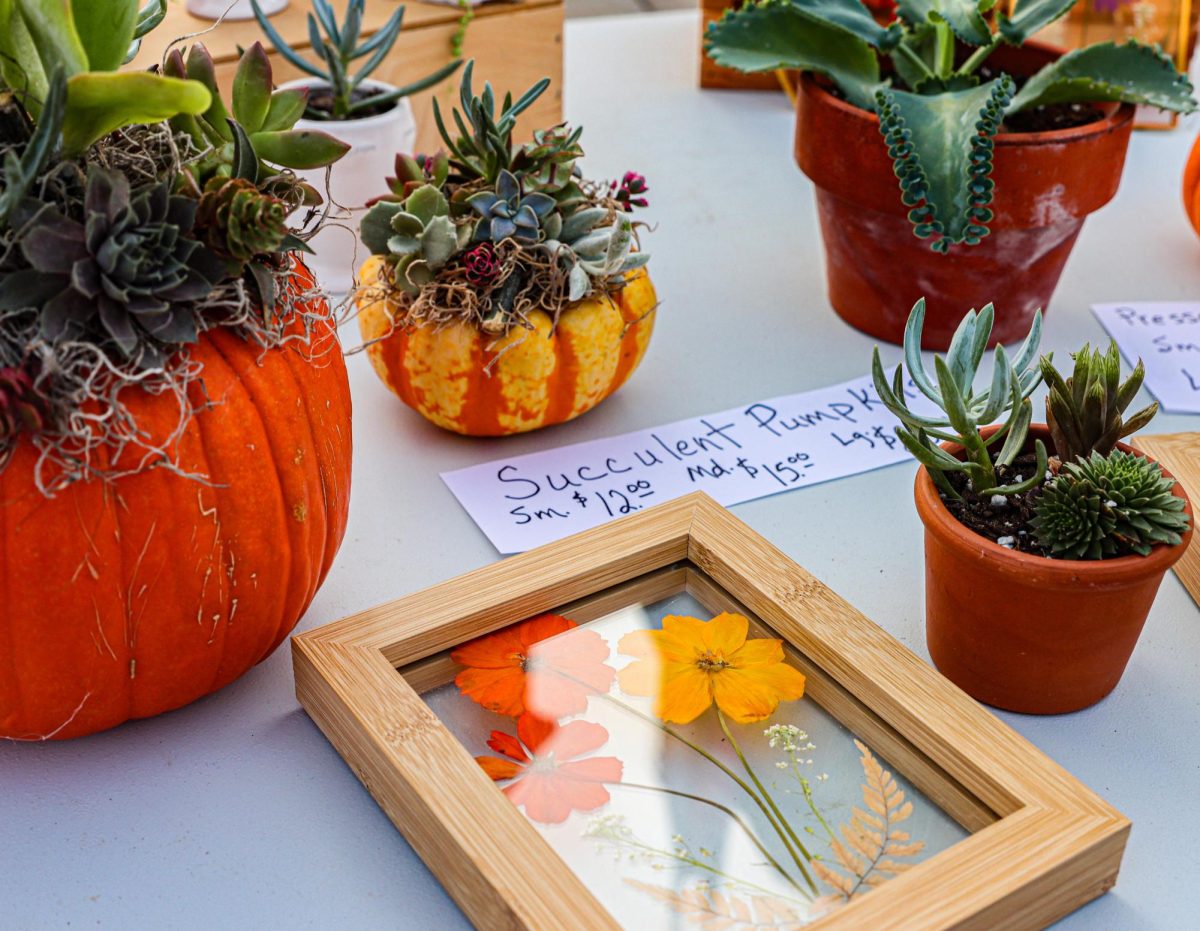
761	788
740	822
781	831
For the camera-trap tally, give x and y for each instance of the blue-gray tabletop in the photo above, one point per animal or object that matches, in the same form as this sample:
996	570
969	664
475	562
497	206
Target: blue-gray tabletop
236	813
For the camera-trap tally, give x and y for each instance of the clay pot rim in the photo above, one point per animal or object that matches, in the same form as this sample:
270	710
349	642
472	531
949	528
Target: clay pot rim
1116	115
1058	572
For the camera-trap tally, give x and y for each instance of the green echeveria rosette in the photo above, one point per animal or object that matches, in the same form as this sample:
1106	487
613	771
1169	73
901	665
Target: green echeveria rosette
1107	506
128	273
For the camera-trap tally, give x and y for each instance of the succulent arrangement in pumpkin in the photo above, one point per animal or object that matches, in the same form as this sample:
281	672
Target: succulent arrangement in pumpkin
159	344
952	104
505	291
1045	544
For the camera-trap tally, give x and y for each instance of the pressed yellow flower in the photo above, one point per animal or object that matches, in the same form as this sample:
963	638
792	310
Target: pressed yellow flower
690	663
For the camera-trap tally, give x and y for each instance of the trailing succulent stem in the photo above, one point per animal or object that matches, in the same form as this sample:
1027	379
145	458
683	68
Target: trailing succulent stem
962	410
338	46
1084	411
936	116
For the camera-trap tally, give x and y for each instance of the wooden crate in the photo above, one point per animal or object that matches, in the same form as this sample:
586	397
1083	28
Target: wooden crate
513	44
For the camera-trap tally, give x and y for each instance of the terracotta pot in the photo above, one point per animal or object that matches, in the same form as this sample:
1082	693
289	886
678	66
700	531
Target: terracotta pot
1046	184
1026	633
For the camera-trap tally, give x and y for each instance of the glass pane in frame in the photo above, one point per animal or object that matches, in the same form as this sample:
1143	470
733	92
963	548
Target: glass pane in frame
687	763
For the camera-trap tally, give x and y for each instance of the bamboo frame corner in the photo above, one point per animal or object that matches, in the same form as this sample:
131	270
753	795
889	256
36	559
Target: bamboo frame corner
1046	844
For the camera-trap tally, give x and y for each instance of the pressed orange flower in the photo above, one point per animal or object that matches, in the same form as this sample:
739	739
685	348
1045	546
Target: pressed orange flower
547	779
546	665
690	663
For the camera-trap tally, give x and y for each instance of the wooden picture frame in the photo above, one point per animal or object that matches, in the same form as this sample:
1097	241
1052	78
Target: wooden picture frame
1179	453
1042	843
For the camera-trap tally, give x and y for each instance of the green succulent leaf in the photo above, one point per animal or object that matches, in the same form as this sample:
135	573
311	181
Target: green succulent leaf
1132	73
245	158
287	106
20	63
100	102
106	30
17	174
781	35
964	17
252	88
1030	17
298	148
375	229
941	147
52	28
854	17
200	68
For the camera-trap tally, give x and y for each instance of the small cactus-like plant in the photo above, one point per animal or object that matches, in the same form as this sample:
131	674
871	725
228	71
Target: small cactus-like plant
963	409
338	47
1108	505
1084	411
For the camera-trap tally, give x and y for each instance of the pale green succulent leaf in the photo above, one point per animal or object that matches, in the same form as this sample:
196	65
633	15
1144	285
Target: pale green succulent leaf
106	30
1131	73
375	229
287	106
439	242
854	17
305	149
780	35
941	147
1030	17
964	17
101	102
51	25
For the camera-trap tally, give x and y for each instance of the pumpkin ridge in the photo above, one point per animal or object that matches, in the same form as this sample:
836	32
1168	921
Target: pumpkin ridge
310	464
237	383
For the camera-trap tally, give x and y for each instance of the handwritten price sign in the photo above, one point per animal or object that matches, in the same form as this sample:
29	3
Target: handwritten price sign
1166	337
736	455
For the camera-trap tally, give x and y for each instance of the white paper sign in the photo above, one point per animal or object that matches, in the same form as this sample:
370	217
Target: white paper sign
1166	336
736	455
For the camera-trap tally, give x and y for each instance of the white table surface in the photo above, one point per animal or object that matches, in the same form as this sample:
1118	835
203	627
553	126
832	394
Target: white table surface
236	813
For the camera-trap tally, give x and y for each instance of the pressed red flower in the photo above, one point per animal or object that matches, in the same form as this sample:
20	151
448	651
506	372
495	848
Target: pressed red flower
547	665
549	780
482	265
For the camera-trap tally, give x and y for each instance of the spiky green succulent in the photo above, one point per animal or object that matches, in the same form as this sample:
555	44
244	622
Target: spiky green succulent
937	116
337	47
963	410
239	222
508	212
484	146
1105	506
1084	411
127	273
417	237
255	134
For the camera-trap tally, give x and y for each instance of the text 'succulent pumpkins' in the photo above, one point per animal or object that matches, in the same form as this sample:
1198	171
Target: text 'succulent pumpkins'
174	408
504	292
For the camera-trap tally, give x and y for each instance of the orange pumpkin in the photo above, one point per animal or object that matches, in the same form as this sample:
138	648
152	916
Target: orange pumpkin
480	384
1191	187
127	598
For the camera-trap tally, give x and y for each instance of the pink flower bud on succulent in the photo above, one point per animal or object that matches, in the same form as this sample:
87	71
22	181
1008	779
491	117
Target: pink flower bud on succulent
482	264
628	192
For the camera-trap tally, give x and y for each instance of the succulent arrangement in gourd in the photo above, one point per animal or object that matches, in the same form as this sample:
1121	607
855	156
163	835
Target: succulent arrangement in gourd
137	211
337	46
1089	500
490	228
924	74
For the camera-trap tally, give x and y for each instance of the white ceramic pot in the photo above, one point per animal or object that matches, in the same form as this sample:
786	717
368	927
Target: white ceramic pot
233	9
356	178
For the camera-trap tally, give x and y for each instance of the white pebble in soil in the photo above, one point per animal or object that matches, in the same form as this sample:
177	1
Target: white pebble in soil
1007	542
999	501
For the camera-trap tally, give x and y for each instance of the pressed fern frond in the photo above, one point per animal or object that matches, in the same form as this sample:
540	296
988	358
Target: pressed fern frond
941	149
710	909
866	855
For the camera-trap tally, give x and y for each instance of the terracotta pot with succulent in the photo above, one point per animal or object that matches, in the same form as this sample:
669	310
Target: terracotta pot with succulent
1044	544
174	410
1002	147
504	292
375	118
